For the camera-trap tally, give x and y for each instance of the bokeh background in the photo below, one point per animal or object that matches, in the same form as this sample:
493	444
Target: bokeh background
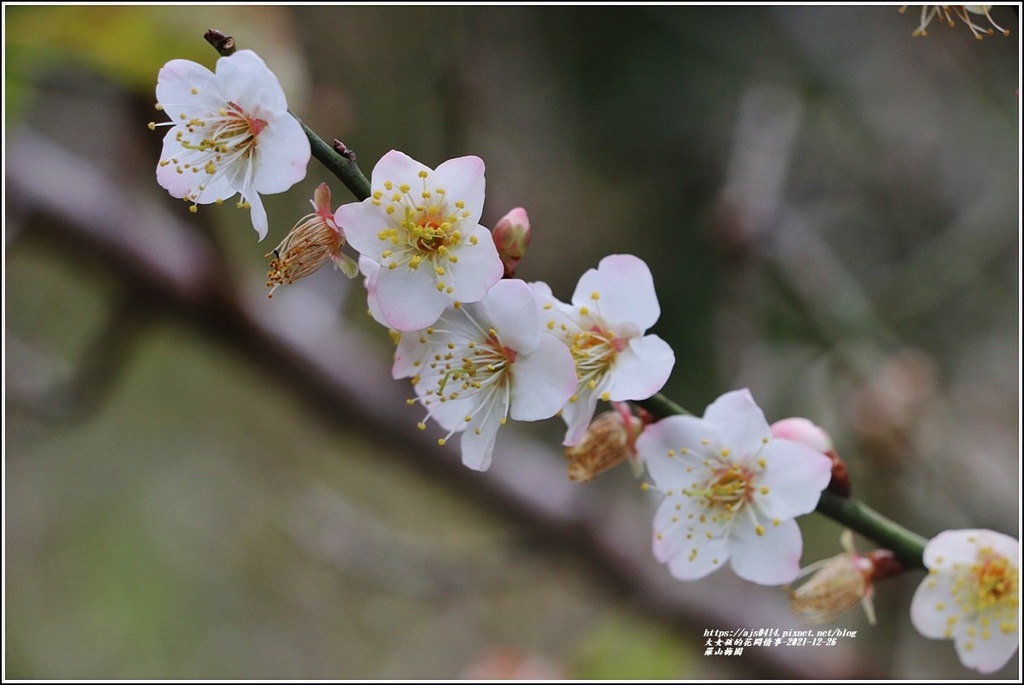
830	209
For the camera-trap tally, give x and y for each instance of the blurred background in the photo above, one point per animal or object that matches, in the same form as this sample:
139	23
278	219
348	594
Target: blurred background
200	482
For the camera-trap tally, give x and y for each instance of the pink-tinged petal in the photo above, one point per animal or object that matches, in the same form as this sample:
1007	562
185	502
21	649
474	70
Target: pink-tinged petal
935	591
450	415
282	155
174	86
546	301
361	222
697	559
799	429
738	416
987	656
398	168
179	185
408	299
478	269
769	559
477	449
625	290
795	475
322	202
249	83
961	546
675	529
672	435
542	381
577	416
370	269
510	309
641	369
408	354
257	214
463	180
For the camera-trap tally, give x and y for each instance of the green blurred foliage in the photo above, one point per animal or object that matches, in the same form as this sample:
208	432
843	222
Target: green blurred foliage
624	648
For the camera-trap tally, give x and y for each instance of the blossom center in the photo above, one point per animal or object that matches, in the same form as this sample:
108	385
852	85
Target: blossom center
995	582
729	487
221	139
423	228
594	352
478	371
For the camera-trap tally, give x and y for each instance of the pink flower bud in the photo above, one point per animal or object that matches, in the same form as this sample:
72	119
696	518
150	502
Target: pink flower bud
511	236
801	430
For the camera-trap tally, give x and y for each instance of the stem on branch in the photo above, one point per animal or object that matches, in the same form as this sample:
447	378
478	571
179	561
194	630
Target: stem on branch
660	406
907	545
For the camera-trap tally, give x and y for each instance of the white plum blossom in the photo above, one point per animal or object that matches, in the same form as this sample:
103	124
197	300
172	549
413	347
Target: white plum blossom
972	596
612	307
231	133
481	364
732	491
422	227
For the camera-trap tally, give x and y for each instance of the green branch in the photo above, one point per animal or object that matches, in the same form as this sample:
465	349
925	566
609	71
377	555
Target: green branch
660	406
342	165
907	545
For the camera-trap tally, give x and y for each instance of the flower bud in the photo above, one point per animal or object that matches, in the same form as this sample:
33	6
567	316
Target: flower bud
801	430
511	236
312	242
838	584
610	439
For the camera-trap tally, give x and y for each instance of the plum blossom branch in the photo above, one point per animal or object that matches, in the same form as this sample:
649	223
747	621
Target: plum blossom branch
169	265
342	166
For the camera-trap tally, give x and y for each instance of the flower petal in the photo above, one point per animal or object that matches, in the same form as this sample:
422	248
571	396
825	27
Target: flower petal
175	83
478	269
361	222
543	381
257	213
250	84
509	307
696	557
370	269
396	167
625	290
282	155
988	656
931	606
641	369
577	416
463	180
408	299
772	558
672	435
737	415
477	449
795	475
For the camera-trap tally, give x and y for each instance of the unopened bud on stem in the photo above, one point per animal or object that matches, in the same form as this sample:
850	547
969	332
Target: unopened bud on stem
511	236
